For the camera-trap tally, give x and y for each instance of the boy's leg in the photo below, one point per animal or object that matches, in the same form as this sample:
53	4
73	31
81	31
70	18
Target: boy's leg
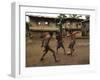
57	50
45	52
72	48
71	51
53	54
64	49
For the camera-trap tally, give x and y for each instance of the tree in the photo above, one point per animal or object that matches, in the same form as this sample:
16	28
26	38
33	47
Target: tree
28	24
61	18
75	16
87	17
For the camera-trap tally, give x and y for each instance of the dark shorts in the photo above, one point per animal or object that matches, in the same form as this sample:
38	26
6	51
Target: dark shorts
48	48
60	45
72	43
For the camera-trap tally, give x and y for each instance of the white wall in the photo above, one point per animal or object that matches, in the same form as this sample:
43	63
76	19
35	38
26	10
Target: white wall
5	38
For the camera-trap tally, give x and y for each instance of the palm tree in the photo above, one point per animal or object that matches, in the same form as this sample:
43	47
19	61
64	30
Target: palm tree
61	18
75	16
87	17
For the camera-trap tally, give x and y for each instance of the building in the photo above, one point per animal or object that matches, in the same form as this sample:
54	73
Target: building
50	22
41	23
85	27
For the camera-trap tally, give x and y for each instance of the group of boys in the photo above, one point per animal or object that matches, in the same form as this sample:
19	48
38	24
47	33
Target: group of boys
46	37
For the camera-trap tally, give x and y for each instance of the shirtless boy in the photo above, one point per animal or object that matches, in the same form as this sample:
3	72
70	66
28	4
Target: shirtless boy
72	36
45	44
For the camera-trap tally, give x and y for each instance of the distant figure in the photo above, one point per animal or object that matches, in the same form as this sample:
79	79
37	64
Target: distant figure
60	42
72	36
45	44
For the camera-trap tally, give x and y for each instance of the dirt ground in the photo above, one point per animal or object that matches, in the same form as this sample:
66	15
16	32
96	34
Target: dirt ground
34	53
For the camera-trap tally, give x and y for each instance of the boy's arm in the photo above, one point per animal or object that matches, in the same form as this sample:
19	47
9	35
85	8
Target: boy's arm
69	35
75	33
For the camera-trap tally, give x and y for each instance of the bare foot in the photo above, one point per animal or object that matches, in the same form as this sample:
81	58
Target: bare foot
57	60
41	59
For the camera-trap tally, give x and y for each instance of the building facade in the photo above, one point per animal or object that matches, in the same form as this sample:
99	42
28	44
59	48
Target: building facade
40	23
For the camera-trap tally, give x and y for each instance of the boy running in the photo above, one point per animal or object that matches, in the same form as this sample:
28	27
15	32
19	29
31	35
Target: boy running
45	45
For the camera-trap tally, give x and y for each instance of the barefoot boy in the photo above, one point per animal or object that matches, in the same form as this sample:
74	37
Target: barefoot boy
60	42
72	36
45	45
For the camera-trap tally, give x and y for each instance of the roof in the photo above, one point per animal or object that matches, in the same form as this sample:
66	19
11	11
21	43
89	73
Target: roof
85	21
43	18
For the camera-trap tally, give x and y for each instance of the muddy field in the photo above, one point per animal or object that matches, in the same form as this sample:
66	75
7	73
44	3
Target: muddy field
34	53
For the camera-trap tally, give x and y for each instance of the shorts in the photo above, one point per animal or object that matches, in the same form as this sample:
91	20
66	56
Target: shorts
60	45
71	45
